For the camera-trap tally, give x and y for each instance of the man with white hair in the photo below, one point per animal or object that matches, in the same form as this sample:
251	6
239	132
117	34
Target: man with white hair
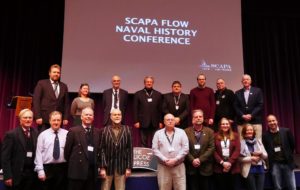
18	153
170	145
248	106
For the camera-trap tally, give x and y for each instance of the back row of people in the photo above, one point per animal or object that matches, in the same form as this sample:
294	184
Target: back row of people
245	106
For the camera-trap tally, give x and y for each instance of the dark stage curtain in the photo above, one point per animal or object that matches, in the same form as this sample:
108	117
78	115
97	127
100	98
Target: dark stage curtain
271	42
31	37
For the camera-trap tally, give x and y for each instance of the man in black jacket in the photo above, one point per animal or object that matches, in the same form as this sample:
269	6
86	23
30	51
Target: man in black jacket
279	143
18	153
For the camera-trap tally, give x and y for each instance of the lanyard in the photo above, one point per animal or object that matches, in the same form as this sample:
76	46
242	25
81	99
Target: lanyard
225	142
198	135
172	137
177	101
149	95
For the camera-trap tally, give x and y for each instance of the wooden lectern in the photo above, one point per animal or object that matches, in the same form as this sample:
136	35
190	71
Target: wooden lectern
21	102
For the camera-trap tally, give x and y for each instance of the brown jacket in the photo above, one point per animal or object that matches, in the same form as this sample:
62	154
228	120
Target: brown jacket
205	154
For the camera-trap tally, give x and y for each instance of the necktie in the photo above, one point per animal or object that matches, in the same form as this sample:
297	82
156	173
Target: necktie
27	133
115	99
55	86
56	151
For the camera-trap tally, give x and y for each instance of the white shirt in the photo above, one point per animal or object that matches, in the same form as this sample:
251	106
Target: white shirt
113	99
164	149
44	149
53	86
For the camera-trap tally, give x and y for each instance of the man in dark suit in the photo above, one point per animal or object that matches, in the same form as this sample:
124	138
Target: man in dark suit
248	106
147	112
280	144
177	103
50	95
18	153
114	98
224	103
81	153
115	153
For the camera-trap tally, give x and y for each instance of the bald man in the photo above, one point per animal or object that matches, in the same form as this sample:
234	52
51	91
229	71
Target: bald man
114	98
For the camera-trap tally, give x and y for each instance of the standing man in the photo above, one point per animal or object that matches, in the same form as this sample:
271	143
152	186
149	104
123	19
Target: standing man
147	112
50	95
115	153
18	153
50	163
203	98
114	98
224	103
177	103
199	160
248	106
170	145
81	153
280	144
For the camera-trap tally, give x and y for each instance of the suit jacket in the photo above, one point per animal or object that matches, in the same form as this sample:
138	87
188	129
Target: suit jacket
76	152
45	101
245	156
205	154
107	102
253	107
287	146
116	154
234	152
182	112
14	153
224	105
147	113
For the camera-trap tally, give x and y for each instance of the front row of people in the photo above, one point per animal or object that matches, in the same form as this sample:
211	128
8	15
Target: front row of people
223	154
46	161
187	156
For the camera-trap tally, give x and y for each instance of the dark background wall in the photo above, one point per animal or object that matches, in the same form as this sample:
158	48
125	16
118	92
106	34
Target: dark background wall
31	36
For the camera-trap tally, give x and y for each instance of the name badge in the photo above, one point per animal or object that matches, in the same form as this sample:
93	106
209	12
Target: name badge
149	99
197	146
277	149
177	107
217	102
171	149
29	154
225	152
90	148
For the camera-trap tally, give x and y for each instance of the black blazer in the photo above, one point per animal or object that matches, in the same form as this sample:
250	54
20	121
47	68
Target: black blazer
288	146
253	107
224	105
14	153
147	113
121	152
182	112
107	102
44	100
76	153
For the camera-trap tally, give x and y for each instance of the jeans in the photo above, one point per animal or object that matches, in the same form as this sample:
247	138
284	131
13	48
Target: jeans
255	181
280	173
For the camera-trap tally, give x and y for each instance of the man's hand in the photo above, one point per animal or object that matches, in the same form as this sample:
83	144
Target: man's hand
8	182
102	173
137	125
196	162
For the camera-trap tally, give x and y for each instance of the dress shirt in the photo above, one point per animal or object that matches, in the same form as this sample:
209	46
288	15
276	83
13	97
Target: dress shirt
53	86
166	149
246	94
113	99
44	150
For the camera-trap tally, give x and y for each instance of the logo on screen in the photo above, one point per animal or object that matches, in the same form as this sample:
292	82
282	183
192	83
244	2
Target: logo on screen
204	66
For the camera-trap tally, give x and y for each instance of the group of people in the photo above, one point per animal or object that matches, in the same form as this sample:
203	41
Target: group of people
193	157
189	152
59	159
